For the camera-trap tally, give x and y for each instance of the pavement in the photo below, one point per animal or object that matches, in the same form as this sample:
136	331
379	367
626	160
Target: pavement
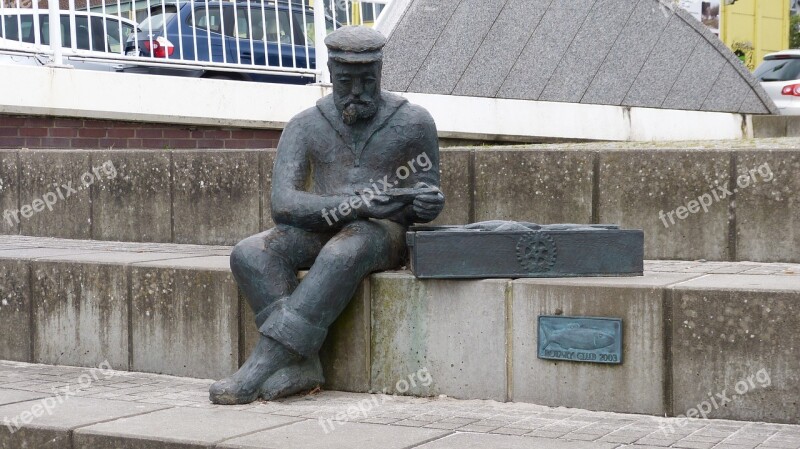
44	406
50	248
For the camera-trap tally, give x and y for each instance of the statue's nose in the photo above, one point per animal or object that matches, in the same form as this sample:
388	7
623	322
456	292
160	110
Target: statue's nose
358	88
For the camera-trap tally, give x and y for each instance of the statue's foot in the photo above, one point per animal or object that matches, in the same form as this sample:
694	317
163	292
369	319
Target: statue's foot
299	376
244	387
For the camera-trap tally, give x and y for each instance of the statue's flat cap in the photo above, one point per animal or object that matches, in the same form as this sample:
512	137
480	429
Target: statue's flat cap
355	44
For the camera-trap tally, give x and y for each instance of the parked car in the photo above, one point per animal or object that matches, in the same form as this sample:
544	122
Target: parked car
779	74
243	35
94	32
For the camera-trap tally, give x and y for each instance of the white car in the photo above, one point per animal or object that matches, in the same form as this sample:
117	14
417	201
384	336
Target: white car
780	76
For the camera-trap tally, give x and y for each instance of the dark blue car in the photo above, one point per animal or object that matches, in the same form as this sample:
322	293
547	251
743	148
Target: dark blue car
241	36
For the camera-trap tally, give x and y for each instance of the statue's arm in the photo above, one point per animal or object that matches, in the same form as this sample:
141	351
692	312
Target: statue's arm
425	154
291	204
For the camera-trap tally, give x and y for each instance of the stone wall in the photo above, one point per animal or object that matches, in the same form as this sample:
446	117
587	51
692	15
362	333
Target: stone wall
217	197
691	330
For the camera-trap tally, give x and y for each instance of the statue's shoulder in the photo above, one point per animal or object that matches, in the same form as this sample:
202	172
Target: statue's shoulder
407	111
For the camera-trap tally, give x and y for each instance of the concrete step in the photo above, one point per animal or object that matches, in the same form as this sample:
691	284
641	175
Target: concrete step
693	331
54	407
721	201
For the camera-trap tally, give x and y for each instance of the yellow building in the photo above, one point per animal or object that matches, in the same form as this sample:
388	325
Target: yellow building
755	28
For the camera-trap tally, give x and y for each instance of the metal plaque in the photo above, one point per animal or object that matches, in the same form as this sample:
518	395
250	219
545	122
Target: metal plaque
580	339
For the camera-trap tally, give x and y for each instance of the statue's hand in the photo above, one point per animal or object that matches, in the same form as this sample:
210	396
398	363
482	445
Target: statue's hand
428	206
380	206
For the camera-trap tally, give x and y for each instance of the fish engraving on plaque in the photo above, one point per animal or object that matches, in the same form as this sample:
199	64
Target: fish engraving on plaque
580	339
577	337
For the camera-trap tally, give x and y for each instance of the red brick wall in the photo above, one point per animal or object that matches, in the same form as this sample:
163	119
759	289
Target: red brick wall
36	132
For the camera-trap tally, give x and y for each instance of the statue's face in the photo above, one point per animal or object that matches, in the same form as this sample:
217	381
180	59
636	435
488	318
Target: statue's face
356	89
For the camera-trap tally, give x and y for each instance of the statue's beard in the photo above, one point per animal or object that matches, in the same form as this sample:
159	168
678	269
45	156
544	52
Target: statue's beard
358	110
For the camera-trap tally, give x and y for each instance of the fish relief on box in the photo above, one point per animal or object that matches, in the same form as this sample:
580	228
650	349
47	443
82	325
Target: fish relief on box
580	339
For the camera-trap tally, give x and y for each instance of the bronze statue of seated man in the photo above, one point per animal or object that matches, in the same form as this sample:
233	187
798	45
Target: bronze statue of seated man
351	175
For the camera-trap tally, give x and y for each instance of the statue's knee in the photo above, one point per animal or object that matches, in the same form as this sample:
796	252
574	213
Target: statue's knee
244	254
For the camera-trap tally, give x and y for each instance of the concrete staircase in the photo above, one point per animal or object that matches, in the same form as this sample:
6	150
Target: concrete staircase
124	271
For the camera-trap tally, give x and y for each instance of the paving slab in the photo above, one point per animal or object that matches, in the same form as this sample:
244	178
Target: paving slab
213	263
37	253
732	282
115	257
176	427
482	441
13	396
312	435
391	421
47	424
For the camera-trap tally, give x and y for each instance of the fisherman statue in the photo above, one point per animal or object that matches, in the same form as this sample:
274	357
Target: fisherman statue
351	175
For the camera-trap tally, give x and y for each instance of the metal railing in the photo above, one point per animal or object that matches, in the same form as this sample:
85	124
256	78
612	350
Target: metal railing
266	37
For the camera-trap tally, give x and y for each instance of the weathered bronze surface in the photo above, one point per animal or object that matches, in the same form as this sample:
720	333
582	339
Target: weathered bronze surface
525	250
580	339
339	212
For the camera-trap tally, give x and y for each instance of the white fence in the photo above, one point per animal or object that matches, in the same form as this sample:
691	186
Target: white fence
277	40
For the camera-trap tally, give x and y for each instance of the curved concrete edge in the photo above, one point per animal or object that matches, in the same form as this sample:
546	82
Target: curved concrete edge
163	99
728	55
391	16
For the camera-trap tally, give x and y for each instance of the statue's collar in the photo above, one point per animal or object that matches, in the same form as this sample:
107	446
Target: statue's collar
390	103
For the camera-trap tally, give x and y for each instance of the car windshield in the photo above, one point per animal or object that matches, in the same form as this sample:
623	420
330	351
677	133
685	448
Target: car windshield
778	70
155	23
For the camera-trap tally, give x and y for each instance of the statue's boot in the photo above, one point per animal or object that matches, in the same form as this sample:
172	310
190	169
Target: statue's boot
303	375
244	386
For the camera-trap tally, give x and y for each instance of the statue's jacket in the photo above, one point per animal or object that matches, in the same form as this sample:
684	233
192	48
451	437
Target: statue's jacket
322	161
